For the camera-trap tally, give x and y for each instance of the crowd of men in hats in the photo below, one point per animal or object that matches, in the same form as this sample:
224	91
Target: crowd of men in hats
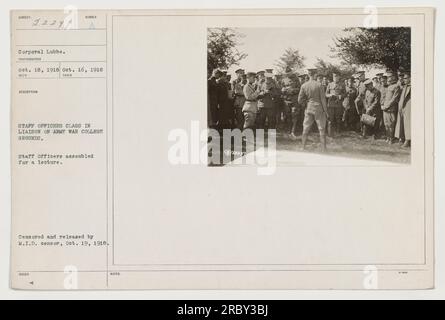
376	108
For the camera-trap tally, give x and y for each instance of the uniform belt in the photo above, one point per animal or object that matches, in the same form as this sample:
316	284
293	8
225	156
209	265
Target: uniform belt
251	100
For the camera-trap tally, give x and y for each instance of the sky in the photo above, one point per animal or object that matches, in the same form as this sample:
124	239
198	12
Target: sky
264	46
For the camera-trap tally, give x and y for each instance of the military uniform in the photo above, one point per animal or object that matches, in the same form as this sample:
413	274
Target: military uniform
250	108
292	109
378	78
225	104
237	88
403	128
324	87
312	95
266	104
359	101
335	92
383	90
212	102
372	108
279	103
390	109
350	115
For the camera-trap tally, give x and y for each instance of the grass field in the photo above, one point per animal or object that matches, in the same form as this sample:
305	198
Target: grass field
347	145
350	144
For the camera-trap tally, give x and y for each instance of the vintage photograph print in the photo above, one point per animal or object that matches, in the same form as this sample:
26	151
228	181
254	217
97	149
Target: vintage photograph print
309	92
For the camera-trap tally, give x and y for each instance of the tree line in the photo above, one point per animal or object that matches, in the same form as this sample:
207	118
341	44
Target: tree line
386	48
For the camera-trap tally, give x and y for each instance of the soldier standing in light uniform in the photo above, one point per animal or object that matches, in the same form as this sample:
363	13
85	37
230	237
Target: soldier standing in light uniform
250	108
335	93
390	107
237	88
313	97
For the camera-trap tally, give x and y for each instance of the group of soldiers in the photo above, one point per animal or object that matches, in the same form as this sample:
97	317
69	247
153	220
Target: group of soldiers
378	107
